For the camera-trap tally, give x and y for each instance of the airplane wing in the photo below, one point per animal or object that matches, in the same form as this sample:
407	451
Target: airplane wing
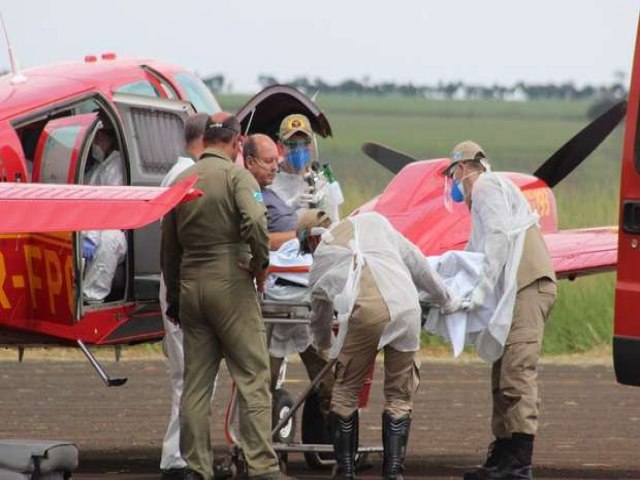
583	251
37	207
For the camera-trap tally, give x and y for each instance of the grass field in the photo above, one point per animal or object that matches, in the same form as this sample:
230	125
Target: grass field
517	137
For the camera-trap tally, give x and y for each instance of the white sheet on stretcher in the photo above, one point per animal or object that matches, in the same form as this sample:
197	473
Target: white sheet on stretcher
460	271
288	339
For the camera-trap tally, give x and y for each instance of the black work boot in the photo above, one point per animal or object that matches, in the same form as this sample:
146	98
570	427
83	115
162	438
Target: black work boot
344	434
395	435
516	465
514	462
496	451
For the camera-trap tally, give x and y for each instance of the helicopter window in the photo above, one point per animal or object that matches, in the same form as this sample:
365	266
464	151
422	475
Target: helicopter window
197	92
159	137
140	87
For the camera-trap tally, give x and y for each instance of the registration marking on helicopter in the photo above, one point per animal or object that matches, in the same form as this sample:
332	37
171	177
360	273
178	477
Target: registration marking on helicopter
37	269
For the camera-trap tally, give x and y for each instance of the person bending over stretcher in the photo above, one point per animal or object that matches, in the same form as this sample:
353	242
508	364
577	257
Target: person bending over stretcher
368	272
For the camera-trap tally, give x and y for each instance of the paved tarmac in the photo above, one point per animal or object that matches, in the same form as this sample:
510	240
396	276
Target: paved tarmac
590	426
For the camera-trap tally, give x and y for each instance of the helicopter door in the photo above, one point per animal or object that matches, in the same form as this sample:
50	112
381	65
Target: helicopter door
49	257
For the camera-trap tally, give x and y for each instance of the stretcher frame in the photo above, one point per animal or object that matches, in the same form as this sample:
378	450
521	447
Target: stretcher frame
294	313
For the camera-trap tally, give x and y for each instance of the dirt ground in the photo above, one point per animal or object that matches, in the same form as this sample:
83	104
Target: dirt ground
590	426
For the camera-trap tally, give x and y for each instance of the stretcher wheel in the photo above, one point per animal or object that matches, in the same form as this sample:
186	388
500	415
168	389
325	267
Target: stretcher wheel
282	404
314	431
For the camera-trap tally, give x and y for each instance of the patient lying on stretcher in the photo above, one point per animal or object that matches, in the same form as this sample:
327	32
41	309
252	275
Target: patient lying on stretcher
288	283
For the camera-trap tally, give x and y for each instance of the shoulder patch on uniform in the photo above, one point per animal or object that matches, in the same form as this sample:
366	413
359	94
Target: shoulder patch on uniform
258	196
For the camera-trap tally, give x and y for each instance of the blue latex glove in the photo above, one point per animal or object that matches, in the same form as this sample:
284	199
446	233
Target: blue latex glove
88	248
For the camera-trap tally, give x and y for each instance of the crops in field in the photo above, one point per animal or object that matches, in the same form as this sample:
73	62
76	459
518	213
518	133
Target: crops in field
517	137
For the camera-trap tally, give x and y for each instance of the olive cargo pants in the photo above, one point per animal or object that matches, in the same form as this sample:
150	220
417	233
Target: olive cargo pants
368	320
220	316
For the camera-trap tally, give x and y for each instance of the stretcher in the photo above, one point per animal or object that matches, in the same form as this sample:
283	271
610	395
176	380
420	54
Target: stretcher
315	442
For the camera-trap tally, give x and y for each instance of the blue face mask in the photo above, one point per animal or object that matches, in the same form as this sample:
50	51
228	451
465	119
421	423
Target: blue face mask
457	191
298	157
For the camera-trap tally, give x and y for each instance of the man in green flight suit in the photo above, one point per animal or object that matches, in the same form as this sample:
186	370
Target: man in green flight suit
212	250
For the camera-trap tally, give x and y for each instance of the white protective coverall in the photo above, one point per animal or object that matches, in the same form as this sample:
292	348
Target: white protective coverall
111	245
174	351
396	266
328	196
288	339
500	217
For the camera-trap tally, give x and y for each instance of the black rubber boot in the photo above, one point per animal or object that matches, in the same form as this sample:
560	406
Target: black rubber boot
344	434
395	435
497	449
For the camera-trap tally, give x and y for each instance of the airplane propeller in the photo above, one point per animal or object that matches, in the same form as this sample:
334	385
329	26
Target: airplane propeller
552	171
573	153
391	159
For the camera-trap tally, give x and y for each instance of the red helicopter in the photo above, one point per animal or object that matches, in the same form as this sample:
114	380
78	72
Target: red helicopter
48	121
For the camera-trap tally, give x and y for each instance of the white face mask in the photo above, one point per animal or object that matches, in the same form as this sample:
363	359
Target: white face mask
97	152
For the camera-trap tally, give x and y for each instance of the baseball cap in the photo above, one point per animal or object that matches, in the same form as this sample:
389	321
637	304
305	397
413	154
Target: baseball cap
313	218
293	124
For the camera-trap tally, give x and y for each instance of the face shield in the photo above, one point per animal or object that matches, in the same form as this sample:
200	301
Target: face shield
454	191
451	191
299	153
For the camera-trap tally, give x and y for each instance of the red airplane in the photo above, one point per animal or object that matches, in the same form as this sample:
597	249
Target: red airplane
47	126
414	203
49	118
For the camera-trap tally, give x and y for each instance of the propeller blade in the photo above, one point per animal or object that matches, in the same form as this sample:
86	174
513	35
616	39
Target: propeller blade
572	153
392	160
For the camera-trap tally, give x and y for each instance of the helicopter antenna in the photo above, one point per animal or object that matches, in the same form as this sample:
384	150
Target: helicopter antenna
18	77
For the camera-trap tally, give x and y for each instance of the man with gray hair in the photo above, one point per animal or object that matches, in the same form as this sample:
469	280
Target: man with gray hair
261	159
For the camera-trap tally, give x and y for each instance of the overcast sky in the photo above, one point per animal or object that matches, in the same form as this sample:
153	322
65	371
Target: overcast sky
421	41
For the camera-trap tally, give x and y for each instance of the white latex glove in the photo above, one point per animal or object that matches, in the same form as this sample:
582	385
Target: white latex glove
452	306
476	299
300	200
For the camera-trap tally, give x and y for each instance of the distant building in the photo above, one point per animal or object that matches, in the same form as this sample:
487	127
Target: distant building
517	94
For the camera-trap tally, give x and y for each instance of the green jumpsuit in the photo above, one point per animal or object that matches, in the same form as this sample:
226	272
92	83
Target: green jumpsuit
203	244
